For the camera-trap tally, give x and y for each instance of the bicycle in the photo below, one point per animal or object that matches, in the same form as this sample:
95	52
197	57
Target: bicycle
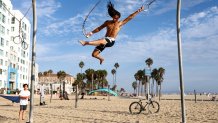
150	105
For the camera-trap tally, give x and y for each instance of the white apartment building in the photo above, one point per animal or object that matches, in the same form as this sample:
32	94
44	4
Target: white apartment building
15	64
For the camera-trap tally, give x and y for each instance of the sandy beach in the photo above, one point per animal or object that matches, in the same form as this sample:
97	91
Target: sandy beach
116	110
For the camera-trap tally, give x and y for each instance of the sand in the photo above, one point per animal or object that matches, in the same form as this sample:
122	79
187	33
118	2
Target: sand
116	110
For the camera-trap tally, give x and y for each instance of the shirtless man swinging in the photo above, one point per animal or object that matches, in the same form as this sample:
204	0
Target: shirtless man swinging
113	27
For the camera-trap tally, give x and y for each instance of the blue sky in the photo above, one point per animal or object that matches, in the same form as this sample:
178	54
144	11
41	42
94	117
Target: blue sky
150	34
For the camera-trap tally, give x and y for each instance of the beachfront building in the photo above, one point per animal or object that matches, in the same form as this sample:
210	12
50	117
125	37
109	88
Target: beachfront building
52	79
15	65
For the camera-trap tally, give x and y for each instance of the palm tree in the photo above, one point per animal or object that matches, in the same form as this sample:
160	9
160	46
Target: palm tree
161	72
153	74
40	74
104	81
134	85
45	73
158	76
80	77
102	76
113	71
116	65
137	78
81	65
149	62
144	81
49	73
90	77
97	78
141	75
61	76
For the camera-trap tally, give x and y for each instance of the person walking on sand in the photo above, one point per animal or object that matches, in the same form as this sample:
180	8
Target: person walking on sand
113	27
24	96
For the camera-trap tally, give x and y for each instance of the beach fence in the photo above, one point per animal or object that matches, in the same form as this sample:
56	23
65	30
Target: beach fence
190	97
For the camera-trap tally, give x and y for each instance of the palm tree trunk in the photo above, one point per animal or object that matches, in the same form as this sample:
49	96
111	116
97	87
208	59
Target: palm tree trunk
152	88
156	89
113	80
115	77
136	91
159	92
139	87
92	81
145	88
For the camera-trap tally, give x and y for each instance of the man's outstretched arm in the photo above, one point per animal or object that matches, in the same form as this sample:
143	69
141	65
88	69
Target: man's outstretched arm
97	29
132	16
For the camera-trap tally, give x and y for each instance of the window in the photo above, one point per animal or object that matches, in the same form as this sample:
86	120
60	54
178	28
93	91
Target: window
12	48
13	20
2	42
12	29
24	36
12	38
0	83
1	52
25	27
4	6
0	3
1	71
3	18
23	53
1	61
2	29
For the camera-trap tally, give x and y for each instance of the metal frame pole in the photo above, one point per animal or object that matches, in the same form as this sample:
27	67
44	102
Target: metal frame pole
33	61
180	61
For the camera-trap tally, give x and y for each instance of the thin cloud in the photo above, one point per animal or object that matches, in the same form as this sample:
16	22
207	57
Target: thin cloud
67	26
44	8
163	44
162	7
202	24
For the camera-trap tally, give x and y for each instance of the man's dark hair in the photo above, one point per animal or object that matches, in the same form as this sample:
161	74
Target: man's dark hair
111	11
25	85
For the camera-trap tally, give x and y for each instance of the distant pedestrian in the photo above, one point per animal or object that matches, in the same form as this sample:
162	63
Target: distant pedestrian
83	93
24	96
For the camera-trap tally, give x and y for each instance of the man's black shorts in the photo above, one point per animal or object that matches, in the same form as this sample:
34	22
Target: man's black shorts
23	107
110	43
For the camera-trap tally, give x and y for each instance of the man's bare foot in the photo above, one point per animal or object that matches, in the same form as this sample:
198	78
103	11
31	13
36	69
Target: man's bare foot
82	42
101	61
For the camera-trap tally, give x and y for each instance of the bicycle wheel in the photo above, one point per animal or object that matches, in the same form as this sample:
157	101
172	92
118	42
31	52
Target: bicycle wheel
153	107
135	108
